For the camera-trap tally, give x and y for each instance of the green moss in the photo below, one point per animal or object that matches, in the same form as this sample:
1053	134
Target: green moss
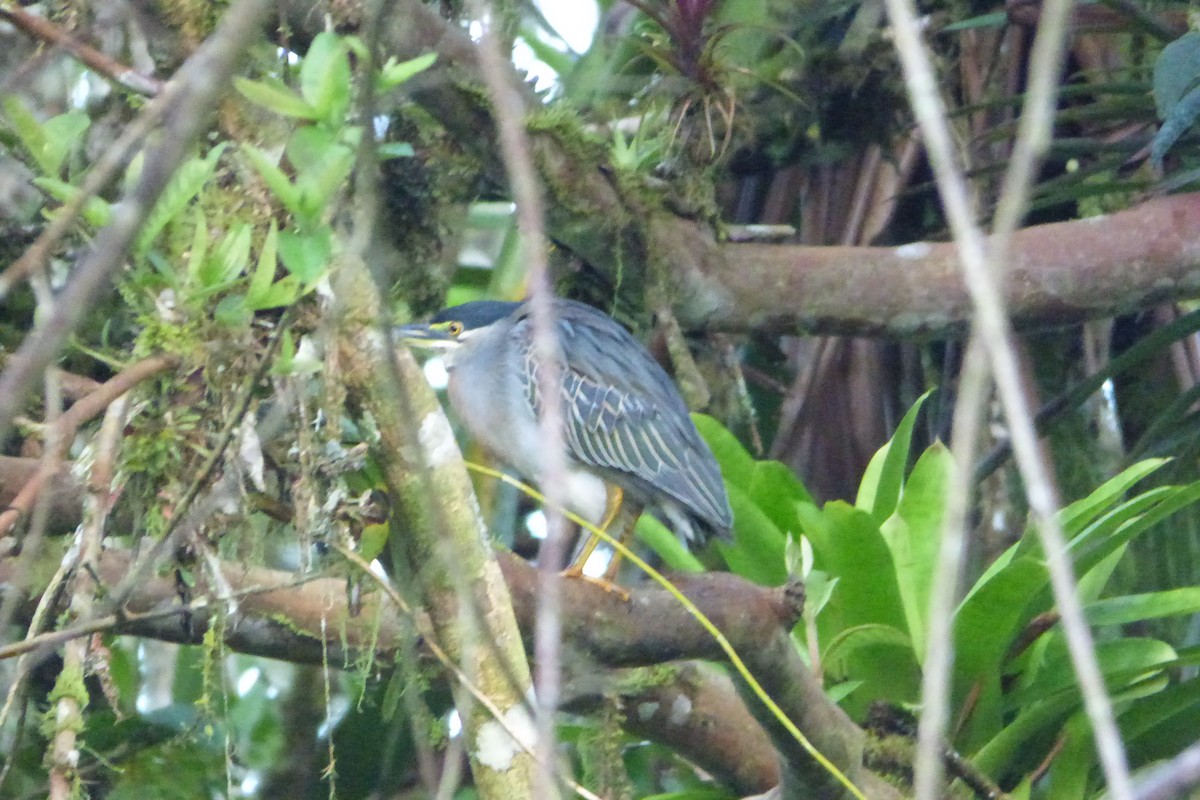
68	685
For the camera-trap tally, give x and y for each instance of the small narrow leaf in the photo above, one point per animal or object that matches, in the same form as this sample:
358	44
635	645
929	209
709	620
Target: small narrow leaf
275	97
264	271
393	74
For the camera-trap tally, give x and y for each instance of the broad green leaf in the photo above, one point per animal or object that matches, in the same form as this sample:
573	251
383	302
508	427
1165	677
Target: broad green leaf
848	642
848	546
1074	762
309	145
1138	607
28	130
1037	723
306	255
96	212
275	179
282	292
275	96
63	134
666	545
325	78
757	551
985	626
374	538
48	143
394	73
914	534
737	465
319	182
883	480
1159	726
231	311
775	490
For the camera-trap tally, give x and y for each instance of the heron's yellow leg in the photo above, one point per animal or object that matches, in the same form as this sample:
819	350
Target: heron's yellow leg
614	497
625	538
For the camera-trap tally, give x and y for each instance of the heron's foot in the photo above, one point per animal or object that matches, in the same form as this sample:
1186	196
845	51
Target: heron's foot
575	571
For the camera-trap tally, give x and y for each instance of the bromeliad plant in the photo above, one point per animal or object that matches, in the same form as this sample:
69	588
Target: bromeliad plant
869	568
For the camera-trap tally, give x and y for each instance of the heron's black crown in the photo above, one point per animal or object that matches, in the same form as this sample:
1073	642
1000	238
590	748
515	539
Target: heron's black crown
477	314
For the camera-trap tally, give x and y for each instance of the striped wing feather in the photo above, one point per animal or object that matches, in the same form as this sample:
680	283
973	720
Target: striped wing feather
608	381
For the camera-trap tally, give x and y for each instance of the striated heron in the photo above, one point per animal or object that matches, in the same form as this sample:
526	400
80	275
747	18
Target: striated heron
627	432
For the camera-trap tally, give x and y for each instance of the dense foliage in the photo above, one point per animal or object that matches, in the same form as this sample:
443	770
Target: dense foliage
207	546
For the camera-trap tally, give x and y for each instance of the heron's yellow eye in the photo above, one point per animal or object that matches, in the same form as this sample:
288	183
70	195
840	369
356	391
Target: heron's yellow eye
454	328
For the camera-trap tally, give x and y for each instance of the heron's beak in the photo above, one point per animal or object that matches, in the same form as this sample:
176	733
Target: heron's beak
424	337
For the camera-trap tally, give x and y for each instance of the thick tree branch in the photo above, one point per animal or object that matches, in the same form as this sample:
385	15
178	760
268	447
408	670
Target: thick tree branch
1059	273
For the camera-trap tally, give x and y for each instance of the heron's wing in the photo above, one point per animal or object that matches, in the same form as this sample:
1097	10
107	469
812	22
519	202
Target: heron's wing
622	413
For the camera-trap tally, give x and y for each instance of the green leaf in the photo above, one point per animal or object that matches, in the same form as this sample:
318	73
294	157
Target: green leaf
320	180
1082	512
275	96
325	78
96	212
757	552
306	255
848	546
1074	762
187	182
996	19
231	311
264	272
1122	662
1159	726
48	143
389	150
1138	607
737	465
666	545
392	74
275	179
228	259
883	480
63	134
199	249
851	640
374	538
914	534
985	626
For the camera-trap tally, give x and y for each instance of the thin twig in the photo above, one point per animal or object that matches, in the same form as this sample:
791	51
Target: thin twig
939	651
68	717
45	30
68	424
996	331
509	111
